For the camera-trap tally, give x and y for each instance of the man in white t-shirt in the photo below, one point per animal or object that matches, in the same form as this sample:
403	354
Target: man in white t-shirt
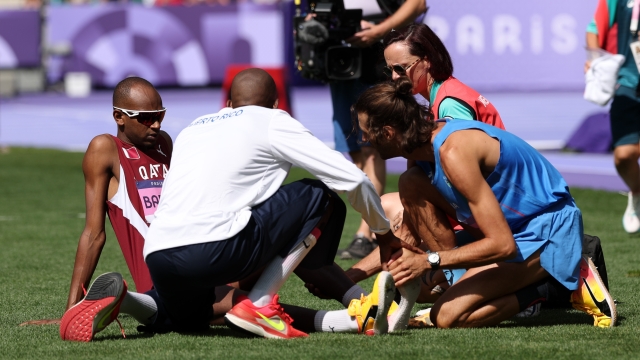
224	214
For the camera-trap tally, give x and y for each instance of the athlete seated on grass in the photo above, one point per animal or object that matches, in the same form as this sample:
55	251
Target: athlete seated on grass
123	178
225	216
512	202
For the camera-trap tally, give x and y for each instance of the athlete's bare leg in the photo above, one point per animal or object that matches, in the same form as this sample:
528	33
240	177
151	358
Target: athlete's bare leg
484	296
626	161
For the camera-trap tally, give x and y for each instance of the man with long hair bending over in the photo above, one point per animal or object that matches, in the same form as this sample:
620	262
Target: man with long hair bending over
514	204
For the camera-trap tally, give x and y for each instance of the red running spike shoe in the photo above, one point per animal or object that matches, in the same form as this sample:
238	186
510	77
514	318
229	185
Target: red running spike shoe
99	308
269	321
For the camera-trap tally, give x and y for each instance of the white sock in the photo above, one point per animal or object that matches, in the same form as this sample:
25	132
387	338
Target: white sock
141	306
400	319
353	293
335	321
277	272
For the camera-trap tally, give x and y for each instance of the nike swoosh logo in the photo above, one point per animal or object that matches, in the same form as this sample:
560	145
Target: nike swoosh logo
106	317
602	305
276	325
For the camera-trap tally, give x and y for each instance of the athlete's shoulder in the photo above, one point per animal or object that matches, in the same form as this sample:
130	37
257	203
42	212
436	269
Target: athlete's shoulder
101	154
103	143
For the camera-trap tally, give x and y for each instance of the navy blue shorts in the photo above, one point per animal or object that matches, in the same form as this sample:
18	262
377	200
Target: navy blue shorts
185	277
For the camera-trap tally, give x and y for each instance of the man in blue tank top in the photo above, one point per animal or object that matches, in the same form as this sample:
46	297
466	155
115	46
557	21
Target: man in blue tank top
516	206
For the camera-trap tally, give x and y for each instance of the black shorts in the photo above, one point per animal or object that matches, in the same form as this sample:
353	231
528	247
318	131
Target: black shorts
185	277
625	117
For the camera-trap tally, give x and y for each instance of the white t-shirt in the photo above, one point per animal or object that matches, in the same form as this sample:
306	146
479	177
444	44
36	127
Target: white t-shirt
225	163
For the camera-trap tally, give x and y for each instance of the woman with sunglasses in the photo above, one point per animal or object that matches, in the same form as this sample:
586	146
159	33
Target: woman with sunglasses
417	52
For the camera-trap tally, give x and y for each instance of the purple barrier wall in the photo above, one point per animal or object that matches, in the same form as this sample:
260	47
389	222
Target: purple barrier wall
526	45
19	38
496	45
173	45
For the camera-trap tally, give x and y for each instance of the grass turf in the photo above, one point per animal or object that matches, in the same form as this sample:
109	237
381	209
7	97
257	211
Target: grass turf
41	218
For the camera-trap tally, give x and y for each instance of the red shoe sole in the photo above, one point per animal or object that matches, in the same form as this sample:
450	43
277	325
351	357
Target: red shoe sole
77	324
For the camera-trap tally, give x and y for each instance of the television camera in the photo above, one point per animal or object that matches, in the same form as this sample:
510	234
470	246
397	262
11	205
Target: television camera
321	52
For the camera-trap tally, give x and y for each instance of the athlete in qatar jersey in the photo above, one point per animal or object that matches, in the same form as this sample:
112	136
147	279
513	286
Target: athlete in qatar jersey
132	208
122	179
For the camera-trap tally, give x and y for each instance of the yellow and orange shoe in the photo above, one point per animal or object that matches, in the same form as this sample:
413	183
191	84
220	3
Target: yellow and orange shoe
268	321
372	311
592	296
99	308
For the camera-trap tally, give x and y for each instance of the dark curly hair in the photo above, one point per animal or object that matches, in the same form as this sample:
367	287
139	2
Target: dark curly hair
392	104
425	44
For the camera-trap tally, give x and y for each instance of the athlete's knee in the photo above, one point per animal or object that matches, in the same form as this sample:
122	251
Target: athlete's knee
445	315
626	154
391	204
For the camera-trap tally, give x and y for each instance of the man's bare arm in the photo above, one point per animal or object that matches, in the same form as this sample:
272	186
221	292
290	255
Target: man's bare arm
366	267
592	41
464	157
98	167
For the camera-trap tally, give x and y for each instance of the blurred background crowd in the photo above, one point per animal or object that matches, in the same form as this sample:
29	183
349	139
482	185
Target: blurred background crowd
36	4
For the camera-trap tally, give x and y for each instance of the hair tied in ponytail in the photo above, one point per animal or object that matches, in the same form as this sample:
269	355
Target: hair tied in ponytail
404	87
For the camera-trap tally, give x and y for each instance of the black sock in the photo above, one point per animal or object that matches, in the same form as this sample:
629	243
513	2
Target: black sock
531	294
549	291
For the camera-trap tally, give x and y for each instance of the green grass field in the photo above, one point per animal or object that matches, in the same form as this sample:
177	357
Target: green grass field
41	217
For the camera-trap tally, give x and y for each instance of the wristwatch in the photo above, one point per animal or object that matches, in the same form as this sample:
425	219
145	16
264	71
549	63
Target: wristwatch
434	260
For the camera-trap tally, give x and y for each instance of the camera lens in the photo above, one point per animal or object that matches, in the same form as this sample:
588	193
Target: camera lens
343	62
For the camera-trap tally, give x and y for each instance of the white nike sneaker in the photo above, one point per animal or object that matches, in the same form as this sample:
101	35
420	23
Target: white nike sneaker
630	220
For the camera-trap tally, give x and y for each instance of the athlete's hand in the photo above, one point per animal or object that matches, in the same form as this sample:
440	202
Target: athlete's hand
390	244
41	322
406	265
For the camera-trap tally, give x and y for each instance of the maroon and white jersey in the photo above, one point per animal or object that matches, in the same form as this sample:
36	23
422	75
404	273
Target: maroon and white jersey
132	208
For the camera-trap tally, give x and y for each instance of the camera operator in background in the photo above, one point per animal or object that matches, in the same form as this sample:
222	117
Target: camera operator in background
344	93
